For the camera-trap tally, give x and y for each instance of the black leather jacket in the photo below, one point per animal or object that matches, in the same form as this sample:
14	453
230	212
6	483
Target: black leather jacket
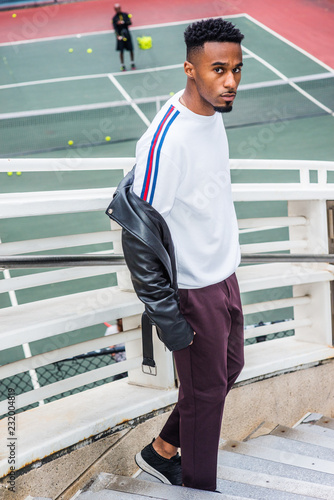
149	254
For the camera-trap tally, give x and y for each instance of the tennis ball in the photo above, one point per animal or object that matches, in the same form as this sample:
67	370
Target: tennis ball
70	50
129	16
70	143
171	93
18	173
9	173
89	51
13	15
108	138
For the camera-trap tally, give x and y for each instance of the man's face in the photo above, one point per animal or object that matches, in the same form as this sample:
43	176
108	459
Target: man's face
217	73
117	8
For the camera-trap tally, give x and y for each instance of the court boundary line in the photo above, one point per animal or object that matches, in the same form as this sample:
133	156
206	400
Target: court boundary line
88	77
134	106
111	76
25	346
295	79
287	41
144	100
63	109
104	32
264	83
178	23
293	84
97	75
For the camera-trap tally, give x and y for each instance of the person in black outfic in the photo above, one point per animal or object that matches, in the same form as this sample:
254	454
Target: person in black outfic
121	22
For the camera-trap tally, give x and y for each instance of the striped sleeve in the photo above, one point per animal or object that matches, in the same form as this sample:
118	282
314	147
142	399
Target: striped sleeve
154	169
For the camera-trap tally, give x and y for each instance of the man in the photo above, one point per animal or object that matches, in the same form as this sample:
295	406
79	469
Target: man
121	22
176	208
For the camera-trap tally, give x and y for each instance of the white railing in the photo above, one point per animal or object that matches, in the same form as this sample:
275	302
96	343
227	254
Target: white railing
284	296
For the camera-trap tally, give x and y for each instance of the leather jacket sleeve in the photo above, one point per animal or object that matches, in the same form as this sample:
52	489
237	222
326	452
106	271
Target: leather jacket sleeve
153	287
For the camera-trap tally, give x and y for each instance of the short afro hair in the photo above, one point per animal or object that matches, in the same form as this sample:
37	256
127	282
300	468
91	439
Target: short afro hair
210	30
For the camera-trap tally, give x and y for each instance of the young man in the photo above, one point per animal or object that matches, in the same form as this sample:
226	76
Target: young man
179	224
121	22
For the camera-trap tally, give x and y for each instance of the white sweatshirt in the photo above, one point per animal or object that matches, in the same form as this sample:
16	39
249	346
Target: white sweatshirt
182	170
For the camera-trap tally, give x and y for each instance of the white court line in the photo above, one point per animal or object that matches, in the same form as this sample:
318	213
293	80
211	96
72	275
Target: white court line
130	101
160	68
177	23
88	77
290	82
25	347
53	80
107	32
273	83
285	40
106	75
249	54
112	104
61	109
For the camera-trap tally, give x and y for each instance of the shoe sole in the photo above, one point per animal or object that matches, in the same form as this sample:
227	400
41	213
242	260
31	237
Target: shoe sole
150	470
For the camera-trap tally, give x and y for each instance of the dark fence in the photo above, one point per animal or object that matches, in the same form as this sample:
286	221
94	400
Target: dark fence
62	370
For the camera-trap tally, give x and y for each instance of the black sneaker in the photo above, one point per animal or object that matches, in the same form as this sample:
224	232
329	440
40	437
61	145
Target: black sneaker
167	470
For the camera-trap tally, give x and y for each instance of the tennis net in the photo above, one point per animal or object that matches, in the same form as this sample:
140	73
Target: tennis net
85	126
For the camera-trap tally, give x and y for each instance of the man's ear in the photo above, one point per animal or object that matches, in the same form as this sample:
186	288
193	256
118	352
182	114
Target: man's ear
189	69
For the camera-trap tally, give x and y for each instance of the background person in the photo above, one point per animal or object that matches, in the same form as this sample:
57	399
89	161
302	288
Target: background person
121	22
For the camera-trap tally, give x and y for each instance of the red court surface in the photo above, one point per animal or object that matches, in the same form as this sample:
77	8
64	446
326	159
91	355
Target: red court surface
306	23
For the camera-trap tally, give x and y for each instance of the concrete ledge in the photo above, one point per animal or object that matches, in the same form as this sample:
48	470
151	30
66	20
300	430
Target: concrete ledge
47	429
287	354
282	399
256	404
62	477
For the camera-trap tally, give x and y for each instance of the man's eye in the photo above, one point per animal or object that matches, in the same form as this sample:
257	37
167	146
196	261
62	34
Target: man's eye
237	70
218	70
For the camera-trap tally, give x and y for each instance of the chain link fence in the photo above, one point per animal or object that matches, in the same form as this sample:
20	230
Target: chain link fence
62	370
67	368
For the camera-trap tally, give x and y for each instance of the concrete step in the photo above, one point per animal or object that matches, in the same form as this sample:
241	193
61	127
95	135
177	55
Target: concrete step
137	489
126	488
309	418
277	483
238	483
305	435
326	422
36	498
317	419
110	495
293	446
287	464
317	429
255	464
252	449
257	492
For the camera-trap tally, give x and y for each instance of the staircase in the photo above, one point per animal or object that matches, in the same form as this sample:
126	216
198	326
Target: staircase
286	464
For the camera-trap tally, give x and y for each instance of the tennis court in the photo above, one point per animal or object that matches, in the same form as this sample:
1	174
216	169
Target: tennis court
53	91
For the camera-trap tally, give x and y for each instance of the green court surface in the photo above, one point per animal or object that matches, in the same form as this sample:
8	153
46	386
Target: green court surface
51	96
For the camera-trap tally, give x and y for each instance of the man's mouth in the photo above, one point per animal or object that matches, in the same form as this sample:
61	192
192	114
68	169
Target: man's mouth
228	97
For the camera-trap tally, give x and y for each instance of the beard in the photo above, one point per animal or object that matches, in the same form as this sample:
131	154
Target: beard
223	109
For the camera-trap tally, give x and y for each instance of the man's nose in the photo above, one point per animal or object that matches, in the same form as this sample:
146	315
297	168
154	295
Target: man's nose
230	81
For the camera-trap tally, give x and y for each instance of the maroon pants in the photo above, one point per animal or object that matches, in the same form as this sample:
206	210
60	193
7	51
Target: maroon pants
207	370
